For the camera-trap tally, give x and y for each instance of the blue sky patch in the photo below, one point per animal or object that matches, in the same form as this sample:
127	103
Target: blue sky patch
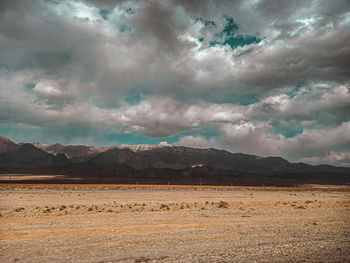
29	86
104	13
230	27
134	139
288	132
292	133
206	22
229	37
137	138
135	96
241	41
241	99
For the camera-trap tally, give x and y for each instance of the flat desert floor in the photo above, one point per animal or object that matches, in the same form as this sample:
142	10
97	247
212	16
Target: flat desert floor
173	224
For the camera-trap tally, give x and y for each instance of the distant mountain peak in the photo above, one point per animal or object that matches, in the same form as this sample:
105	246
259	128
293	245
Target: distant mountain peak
143	147
6	145
4	139
57	145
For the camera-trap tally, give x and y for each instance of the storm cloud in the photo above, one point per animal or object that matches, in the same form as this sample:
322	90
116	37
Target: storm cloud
259	77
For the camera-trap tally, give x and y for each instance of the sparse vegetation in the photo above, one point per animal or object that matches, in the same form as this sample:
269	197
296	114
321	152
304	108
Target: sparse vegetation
5	186
223	204
164	206
19	209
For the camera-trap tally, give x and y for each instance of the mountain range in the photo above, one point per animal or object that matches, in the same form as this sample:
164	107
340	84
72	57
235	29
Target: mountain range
160	164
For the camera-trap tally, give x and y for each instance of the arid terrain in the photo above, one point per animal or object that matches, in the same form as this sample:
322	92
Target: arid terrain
109	223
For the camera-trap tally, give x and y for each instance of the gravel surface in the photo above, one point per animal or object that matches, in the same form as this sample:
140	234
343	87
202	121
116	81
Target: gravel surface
174	226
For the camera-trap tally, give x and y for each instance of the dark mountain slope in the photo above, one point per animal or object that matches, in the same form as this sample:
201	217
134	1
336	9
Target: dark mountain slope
7	145
28	156
155	164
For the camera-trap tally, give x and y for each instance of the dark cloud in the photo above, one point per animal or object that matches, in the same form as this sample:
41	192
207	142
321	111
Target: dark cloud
196	7
74	65
42	39
160	21
314	57
104	3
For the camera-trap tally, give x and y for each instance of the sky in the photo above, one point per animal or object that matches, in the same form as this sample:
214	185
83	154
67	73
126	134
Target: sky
270	78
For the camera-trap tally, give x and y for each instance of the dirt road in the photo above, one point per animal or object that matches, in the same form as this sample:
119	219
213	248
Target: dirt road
174	226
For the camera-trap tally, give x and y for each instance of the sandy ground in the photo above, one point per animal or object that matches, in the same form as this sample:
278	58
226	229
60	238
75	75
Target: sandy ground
246	225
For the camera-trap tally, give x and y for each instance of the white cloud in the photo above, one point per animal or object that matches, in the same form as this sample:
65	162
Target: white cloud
164	143
332	158
319	141
193	141
312	145
85	68
161	116
251	138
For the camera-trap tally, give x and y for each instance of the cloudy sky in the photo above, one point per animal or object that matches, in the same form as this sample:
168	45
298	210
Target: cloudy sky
270	78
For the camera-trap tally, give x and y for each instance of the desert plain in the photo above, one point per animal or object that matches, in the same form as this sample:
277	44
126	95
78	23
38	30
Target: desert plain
114	223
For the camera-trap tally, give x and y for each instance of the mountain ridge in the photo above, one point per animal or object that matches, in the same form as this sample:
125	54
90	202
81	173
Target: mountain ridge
159	163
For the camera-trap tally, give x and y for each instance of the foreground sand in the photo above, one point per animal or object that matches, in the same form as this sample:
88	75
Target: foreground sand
57	225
